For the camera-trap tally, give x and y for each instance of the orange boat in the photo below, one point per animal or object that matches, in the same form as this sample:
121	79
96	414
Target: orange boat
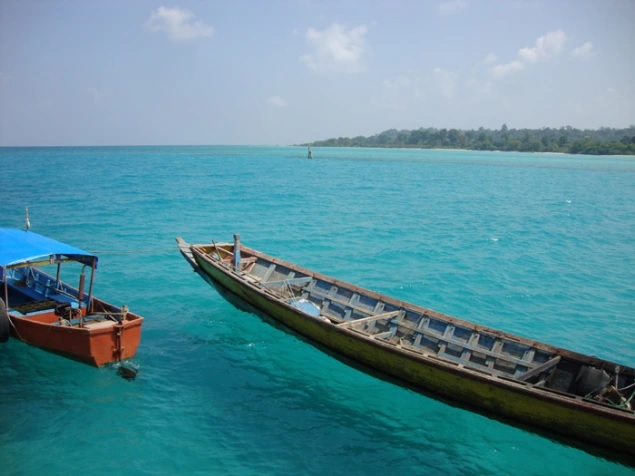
40	309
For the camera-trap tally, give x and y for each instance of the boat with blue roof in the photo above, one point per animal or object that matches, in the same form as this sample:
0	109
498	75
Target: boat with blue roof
39	308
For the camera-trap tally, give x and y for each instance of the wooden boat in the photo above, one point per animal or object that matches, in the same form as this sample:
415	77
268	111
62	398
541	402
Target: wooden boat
42	310
536	384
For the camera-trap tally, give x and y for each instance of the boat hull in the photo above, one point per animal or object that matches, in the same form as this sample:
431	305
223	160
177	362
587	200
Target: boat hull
546	409
558	413
39	308
98	345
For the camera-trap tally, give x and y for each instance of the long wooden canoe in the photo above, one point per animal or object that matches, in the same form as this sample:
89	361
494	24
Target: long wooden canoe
554	389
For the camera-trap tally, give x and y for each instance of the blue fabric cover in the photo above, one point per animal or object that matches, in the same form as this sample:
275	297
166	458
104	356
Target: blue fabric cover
20	246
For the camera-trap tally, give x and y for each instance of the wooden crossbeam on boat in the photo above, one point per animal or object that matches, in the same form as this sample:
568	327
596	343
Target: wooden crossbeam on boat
540	369
288	282
386	315
383	335
269	272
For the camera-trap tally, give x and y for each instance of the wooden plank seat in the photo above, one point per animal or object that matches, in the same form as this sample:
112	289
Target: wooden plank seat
288	282
92	321
540	369
98	323
354	322
246	264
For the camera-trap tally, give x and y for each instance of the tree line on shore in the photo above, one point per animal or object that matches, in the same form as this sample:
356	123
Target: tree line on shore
603	141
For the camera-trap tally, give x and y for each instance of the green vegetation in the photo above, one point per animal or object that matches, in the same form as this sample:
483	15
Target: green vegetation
604	141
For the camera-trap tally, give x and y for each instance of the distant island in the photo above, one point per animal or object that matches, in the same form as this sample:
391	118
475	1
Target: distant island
604	141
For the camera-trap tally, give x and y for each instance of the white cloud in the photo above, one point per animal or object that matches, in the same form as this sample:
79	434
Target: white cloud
178	24
276	101
490	58
583	51
336	50
452	7
447	82
501	70
547	46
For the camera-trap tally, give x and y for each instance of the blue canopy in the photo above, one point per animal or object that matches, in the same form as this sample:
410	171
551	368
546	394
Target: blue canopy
19	246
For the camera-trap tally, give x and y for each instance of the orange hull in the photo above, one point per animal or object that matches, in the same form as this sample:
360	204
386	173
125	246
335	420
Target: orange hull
96	343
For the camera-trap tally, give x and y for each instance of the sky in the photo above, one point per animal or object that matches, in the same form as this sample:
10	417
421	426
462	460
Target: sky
283	72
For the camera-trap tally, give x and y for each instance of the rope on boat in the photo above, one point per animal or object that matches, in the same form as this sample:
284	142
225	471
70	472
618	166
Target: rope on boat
16	330
131	252
608	394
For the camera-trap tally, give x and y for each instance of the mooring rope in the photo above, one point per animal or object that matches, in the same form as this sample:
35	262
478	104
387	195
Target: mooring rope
16	330
131	252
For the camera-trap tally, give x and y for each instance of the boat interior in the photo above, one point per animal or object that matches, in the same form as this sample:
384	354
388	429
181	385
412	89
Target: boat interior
434	335
38	297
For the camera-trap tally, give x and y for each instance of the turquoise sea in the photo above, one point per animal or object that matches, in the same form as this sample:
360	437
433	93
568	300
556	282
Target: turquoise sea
538	245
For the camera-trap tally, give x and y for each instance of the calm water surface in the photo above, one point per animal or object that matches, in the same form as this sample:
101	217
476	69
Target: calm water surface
538	245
